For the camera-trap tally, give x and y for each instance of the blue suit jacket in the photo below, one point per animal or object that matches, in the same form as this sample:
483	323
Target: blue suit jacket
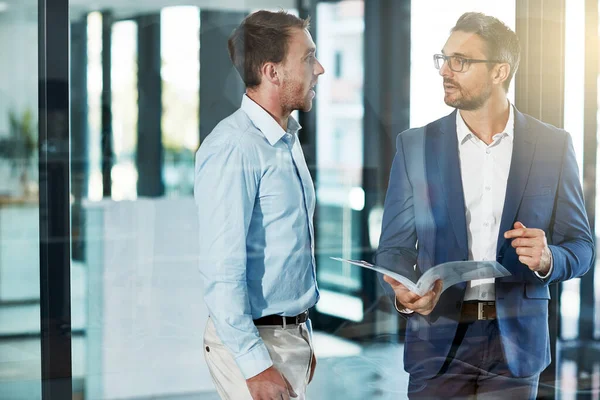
424	225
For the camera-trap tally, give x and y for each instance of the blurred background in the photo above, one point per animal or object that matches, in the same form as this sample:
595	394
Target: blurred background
103	104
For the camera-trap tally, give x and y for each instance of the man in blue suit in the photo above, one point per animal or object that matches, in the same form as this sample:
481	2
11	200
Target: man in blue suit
483	183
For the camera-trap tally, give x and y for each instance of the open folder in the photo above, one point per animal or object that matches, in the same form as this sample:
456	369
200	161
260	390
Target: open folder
450	273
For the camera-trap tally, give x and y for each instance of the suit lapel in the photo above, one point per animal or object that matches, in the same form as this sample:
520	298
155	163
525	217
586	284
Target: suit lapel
520	166
445	150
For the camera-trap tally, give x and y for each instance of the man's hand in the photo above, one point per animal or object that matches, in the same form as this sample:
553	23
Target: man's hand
423	305
531	247
270	385
313	365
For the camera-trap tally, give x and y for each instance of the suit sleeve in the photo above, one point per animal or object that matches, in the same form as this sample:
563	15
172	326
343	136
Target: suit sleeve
571	241
397	244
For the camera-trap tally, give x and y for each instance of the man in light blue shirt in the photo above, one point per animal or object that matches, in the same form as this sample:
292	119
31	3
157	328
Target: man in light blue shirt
256	200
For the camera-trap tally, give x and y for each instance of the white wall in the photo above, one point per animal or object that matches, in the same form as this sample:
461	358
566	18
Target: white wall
145	309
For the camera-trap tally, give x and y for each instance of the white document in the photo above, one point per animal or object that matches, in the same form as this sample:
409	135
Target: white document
450	273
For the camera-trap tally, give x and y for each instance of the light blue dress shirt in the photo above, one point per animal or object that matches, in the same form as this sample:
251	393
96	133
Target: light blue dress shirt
255	201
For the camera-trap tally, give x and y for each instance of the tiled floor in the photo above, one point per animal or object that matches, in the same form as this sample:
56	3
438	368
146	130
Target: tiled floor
345	371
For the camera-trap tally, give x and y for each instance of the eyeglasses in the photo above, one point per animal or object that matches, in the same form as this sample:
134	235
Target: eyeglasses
457	63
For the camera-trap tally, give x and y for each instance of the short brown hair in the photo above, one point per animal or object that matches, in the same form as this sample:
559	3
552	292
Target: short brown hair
502	42
261	37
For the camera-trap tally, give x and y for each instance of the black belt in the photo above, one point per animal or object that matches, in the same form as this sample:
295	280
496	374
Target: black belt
283	321
478	310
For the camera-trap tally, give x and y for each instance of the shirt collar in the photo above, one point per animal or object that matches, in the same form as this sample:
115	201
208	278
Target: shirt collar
266	123
463	132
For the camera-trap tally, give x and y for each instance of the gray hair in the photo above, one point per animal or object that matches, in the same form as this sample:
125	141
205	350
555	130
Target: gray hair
502	42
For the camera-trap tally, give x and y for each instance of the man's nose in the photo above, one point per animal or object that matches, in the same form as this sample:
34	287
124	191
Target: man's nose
445	70
319	70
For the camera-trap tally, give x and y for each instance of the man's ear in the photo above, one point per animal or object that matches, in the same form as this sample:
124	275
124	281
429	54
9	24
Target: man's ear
270	72
502	71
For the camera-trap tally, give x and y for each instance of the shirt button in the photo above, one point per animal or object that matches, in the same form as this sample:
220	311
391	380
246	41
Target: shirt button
486	224
487	188
488	151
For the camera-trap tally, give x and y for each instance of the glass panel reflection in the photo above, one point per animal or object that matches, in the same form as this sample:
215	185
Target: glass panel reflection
340	197
20	358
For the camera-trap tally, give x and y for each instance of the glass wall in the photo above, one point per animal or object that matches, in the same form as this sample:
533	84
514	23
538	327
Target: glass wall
180	72
340	195
137	313
137	282
20	355
136	293
574	123
93	40
144	316
124	108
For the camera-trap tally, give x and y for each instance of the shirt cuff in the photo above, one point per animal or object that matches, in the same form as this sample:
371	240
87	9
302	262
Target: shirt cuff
255	361
549	270
401	310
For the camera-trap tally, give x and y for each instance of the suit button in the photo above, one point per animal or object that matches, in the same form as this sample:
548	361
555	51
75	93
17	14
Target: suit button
207	349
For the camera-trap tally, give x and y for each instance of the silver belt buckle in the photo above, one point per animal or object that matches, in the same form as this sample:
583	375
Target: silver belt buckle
480	314
480	311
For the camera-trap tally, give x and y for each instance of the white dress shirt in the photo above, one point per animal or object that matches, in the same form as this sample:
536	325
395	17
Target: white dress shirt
484	172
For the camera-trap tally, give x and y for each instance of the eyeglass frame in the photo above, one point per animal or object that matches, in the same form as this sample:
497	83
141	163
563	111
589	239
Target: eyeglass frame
464	61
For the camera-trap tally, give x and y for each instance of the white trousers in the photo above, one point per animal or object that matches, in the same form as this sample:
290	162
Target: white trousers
290	349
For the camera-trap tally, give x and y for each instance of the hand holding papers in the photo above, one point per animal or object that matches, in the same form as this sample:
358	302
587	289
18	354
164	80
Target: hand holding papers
450	273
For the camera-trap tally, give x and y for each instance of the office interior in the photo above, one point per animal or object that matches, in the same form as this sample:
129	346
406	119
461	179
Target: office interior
102	106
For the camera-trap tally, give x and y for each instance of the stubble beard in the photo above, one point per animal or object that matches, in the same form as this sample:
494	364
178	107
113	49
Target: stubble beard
294	98
465	101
